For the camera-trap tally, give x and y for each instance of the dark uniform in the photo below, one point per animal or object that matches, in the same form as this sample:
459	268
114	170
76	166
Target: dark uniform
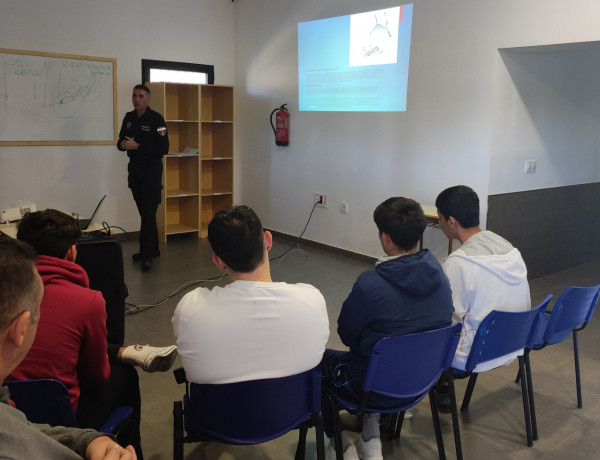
145	171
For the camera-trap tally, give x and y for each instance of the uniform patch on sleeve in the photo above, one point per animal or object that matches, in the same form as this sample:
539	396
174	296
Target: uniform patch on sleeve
162	130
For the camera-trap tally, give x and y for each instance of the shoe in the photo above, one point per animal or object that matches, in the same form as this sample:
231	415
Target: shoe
138	256
150	359
442	398
349	454
369	450
146	265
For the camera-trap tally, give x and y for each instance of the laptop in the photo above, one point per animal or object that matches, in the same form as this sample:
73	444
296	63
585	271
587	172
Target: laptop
85	223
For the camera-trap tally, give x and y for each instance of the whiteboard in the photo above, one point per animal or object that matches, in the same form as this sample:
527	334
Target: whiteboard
55	99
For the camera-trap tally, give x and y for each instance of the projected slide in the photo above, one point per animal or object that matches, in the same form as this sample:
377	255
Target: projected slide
355	63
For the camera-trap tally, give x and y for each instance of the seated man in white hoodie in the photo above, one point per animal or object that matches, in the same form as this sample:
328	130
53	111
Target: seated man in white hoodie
486	273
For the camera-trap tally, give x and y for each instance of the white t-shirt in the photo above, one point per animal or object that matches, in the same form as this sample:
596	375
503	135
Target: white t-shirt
250	330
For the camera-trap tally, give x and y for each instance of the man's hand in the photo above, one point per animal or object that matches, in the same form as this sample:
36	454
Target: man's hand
129	144
104	448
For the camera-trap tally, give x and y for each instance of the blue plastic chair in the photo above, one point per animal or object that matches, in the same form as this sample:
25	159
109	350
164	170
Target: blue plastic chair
249	412
406	367
47	401
503	333
571	313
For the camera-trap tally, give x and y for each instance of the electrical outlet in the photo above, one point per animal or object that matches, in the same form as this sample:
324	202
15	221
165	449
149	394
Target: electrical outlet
530	166
321	199
344	207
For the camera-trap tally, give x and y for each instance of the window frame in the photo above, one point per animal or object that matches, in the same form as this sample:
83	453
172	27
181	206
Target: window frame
148	64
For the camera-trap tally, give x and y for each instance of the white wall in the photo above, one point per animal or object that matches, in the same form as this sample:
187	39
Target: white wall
444	138
547	109
448	135
73	178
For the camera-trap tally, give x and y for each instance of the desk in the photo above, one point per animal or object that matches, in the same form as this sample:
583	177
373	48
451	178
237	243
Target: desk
10	228
433	221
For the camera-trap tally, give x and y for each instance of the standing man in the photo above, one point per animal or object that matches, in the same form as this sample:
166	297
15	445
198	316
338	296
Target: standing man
21	292
407	292
486	273
144	136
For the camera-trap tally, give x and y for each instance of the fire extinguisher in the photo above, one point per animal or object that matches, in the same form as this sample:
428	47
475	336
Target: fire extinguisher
281	129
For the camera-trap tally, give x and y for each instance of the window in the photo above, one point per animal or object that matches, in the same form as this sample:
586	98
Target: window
177	72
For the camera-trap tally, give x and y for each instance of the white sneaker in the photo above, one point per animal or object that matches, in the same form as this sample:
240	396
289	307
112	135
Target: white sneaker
349	454
369	450
150	359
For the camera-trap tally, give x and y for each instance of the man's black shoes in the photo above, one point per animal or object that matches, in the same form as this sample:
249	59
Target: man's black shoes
137	256
146	265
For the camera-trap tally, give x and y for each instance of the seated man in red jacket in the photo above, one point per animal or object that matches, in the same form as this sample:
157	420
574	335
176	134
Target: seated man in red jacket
21	293
71	344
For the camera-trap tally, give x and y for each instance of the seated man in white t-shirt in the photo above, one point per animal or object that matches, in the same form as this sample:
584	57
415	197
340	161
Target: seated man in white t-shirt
253	328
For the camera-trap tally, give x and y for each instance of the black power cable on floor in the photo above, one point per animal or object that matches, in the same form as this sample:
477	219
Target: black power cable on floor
143	307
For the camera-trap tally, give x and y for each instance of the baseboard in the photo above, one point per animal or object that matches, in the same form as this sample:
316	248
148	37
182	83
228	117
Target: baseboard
325	247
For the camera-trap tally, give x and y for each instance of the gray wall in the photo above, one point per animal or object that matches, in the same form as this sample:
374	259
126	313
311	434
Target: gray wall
554	228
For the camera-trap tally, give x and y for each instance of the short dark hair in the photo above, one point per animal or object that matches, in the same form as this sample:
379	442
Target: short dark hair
19	284
236	235
402	219
143	87
50	232
460	202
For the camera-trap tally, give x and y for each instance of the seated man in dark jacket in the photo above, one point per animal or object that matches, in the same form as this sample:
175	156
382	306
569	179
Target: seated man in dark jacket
406	293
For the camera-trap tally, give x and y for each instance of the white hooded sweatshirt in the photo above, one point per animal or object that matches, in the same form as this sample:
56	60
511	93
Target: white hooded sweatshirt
487	273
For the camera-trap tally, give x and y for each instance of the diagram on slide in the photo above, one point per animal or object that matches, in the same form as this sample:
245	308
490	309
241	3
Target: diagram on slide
374	37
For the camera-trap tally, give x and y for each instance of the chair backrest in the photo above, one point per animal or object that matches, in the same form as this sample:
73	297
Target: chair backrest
43	401
503	333
254	411
103	262
407	366
572	310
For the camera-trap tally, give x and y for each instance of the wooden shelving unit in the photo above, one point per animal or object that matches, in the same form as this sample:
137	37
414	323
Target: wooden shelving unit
198	185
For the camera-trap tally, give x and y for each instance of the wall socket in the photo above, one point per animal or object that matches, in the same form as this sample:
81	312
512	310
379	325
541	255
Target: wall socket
530	166
321	199
344	207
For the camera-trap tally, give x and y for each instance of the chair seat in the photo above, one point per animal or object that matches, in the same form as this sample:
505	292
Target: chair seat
250	412
47	401
406	368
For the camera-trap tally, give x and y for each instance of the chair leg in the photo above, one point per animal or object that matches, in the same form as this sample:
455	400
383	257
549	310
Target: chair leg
468	392
301	447
525	395
455	425
436	425
396	427
320	436
337	424
531	399
577	375
177	431
518	377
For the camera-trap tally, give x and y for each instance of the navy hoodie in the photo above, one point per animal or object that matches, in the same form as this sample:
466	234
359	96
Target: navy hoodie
401	296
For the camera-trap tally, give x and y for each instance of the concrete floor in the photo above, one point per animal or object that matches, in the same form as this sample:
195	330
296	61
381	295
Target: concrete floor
492	428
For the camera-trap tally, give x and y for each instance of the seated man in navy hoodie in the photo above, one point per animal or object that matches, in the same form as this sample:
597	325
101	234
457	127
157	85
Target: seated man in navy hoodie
406	293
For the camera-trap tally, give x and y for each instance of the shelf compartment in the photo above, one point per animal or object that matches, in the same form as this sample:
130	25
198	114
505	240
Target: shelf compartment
217	103
217	140
181	102
216	176
182	214
181	175
182	135
210	206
